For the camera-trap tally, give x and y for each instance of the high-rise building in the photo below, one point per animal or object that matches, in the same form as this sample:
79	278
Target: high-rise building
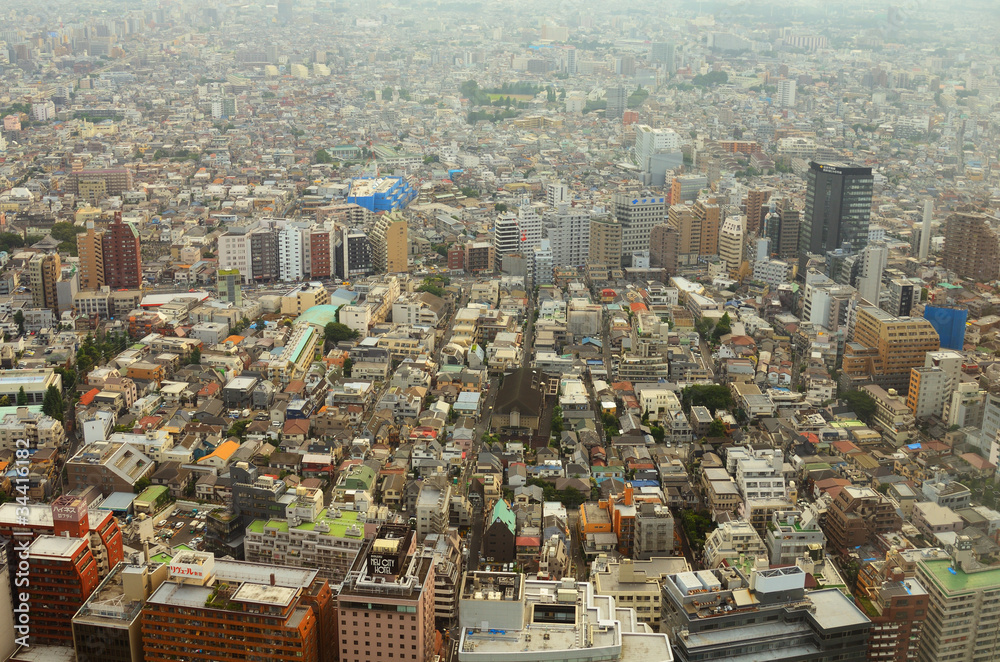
785	97
234	252
897	606
43	272
255	497
637	214
605	242
533	626
322	248
731	241
686	188
108	627
664	240
122	255
228	284
927	392
873	260
291	254
90	248
309	536
883	348
650	141
389	589
765	614
263	254
664	52
62	573
506	238
755	202
354	254
68	515
215	609
900	300
541	264
837	211
389	242
617	101
963	609
782	228
856	516
972	246
568	232
529	222
556	193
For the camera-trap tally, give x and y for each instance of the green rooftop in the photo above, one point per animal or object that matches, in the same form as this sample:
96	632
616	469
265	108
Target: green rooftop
162	557
338	526
941	572
152	493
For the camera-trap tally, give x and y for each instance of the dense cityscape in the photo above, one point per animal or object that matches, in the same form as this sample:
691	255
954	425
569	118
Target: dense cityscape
456	331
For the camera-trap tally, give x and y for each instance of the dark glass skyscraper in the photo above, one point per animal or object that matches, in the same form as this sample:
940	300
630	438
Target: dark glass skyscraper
838	208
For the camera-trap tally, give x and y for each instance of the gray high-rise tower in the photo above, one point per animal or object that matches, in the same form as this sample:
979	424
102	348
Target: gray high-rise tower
838	208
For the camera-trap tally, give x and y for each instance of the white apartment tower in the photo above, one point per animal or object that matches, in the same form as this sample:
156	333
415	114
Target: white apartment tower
650	141
506	238
292	257
786	93
568	232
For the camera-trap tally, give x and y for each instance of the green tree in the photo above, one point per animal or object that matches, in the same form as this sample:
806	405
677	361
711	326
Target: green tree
557	420
717	429
861	403
22	397
713	396
141	485
19	320
5	401
334	332
239	429
348	365
724	327
52	403
68	378
322	156
500	207
195	358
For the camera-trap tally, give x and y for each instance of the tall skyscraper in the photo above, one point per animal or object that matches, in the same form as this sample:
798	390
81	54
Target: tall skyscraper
263	251
568	232
43	272
617	99
390	589
755	201
731	241
663	242
62	573
90	248
786	93
291	254
637	215
605	242
972	246
122	255
963	615
838	208
228	285
223	609
874	258
884	347
783	229
506	238
665	53
389	244
650	141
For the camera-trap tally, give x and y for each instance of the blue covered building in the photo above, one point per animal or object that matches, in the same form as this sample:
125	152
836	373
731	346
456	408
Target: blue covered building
381	193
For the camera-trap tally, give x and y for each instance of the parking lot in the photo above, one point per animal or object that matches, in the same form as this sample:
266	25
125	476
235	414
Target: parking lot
176	529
